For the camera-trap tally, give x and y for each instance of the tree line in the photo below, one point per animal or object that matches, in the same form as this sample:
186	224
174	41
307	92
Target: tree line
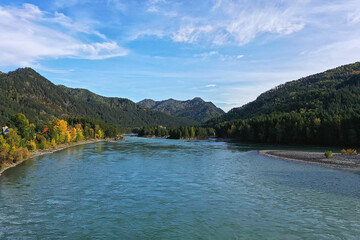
295	128
193	132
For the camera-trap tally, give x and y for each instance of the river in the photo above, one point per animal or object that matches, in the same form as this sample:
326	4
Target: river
174	189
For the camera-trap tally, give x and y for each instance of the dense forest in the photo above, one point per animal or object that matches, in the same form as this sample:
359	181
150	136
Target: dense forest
25	91
21	137
176	132
295	128
322	109
196	109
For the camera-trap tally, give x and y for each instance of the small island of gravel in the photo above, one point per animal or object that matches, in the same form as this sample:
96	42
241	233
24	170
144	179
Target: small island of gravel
337	160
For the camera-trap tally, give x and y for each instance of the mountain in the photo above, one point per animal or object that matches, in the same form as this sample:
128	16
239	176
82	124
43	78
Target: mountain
26	91
321	109
148	103
195	109
335	90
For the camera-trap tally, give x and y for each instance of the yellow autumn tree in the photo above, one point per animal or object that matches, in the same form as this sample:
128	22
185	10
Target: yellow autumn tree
100	133
73	134
79	132
67	137
59	131
31	145
3	144
192	132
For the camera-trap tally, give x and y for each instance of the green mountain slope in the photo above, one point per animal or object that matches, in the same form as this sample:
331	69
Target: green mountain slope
26	91
195	109
335	91
322	109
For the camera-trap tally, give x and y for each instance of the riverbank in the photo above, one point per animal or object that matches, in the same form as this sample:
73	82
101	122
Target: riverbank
60	147
338	160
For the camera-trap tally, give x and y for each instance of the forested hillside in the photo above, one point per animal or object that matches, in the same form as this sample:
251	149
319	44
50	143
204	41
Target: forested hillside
319	109
26	91
195	109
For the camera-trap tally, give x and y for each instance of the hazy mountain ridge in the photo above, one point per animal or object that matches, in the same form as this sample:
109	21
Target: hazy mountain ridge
26	91
195	109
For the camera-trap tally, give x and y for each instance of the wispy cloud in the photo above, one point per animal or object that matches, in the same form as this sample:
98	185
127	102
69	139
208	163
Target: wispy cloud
221	57
206	55
220	23
239	22
230	22
28	34
190	33
160	7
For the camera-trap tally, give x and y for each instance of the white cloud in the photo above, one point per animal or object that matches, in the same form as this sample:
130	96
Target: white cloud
99	50
244	31
190	33
148	32
230	22
227	22
154	6
71	26
28	34
221	57
206	55
214	24
210	85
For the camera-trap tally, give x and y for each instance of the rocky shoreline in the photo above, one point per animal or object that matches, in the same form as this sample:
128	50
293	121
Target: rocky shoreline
338	160
38	153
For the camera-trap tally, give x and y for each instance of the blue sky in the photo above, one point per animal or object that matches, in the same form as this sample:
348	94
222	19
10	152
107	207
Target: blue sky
224	51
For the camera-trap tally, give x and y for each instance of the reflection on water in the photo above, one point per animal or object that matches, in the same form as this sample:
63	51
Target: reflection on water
165	189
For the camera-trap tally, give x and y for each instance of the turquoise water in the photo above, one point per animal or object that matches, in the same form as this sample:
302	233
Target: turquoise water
172	189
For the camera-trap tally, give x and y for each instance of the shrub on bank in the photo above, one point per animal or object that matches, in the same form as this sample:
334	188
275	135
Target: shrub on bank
53	143
328	154
20	154
31	145
349	151
3	155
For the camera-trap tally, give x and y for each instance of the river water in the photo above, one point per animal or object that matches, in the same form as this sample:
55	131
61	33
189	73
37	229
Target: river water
173	189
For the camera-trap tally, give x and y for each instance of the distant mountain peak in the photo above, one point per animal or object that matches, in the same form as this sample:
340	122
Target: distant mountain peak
24	70
197	99
195	109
